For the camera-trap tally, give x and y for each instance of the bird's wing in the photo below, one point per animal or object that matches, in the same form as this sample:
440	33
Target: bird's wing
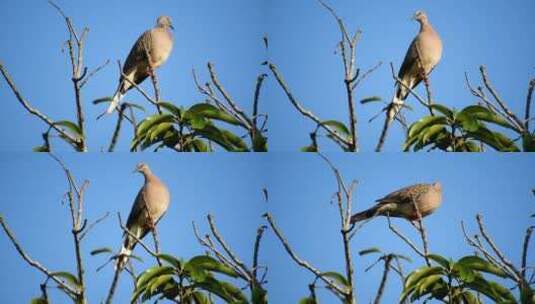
400	196
136	214
137	54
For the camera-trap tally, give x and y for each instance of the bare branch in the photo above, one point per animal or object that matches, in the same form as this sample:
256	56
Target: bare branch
404	238
527	115
71	139
344	143
72	291
380	291
227	97
529	231
330	283
498	99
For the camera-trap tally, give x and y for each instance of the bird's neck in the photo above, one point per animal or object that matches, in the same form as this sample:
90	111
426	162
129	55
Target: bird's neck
425	26
149	177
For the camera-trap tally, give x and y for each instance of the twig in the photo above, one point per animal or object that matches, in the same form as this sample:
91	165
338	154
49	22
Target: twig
207	242
426	81
93	72
421	230
529	231
330	283
342	141
227	97
92	225
497	251
498	99
117	130
527	115
404	238
71	139
256	250
72	291
380	291
225	247
138	88
259	81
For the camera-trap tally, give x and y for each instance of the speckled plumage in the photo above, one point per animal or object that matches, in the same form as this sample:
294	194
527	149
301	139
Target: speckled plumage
153	197
428	197
158	42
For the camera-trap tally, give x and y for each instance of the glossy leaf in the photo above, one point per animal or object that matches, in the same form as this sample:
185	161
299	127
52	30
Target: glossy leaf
339	127
337	277
101	250
71	127
369	251
370	99
68	277
208	263
477	263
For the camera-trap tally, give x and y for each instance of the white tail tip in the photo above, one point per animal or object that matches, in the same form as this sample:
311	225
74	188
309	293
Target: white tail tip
114	102
123	258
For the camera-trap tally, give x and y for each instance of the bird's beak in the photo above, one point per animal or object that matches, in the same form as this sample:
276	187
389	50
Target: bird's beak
172	27
135	171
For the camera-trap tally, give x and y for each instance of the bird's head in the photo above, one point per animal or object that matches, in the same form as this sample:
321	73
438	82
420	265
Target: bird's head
142	168
437	186
165	22
420	16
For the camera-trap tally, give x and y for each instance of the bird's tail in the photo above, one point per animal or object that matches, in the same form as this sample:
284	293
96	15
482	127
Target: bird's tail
123	256
126	251
393	108
114	101
364	215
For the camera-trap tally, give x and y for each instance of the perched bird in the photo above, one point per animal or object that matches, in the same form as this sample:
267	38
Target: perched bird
158	43
153	199
429	46
427	197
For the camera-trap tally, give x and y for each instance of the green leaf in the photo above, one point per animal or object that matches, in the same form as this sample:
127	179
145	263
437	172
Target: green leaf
311	148
42	148
210	264
101	250
259	296
528	142
69	277
424	123
465	273
337	277
224	290
39	300
444	110
171	260
426	284
152	273
371	99
339	127
440	260
479	264
495	140
369	251
468	122
210	111
307	300
200	298
259	142
101	100
71	126
421	273
484	114
171	108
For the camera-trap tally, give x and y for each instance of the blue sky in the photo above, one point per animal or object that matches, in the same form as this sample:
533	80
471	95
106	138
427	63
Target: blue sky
229	187
303	36
228	35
